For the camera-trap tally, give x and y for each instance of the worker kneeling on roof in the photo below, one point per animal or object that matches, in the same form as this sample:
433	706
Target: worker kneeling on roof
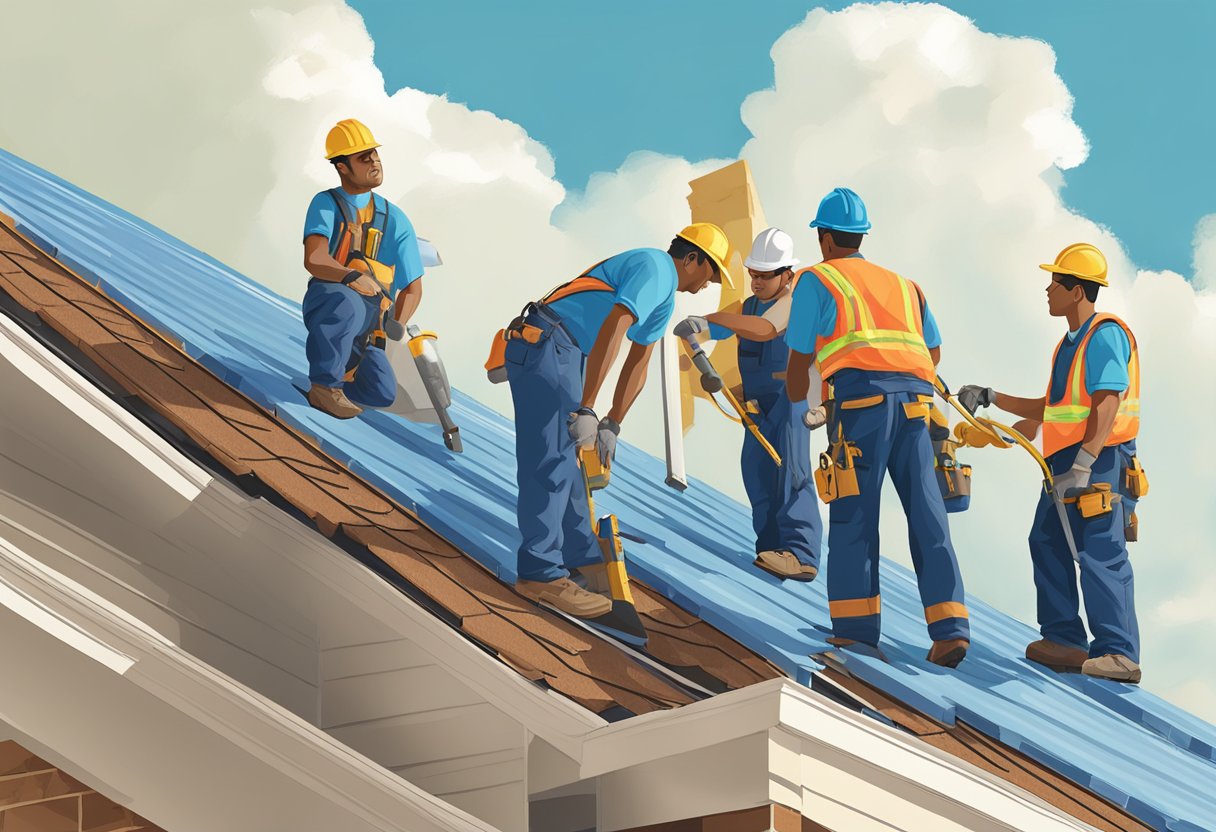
557	355
785	510
366	282
1090	418
875	341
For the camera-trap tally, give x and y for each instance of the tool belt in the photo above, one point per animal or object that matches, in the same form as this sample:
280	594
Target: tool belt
496	363
836	475
953	478
1095	501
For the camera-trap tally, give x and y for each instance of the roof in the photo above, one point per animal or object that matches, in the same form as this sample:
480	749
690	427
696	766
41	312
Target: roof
1121	742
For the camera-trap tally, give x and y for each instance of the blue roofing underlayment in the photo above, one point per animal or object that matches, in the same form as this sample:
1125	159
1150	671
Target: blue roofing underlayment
1118	740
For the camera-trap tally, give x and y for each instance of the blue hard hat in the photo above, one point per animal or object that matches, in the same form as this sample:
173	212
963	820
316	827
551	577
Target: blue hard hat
842	210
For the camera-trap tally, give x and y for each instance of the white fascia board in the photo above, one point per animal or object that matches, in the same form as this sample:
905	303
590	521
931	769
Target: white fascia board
781	707
245	719
96	409
551	716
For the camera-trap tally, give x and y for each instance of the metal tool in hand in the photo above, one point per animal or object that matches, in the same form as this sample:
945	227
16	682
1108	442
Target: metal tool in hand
712	383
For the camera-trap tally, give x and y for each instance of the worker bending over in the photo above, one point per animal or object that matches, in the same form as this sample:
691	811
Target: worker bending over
785	510
558	353
362	254
875	341
1090	418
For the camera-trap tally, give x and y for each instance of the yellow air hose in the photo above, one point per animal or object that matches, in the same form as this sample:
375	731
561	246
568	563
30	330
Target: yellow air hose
992	433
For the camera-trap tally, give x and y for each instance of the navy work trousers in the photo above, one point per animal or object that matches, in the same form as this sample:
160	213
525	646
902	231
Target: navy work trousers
337	317
892	439
546	381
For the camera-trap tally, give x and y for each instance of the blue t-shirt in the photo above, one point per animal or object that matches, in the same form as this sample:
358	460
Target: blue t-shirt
813	315
643	280
400	245
1106	359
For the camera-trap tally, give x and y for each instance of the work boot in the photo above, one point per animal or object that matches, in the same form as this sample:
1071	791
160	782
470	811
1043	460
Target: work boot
565	595
594	578
333	401
862	647
1059	657
948	653
1114	667
785	566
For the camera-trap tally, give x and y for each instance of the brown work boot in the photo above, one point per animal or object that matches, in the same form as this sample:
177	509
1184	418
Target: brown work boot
565	595
595	578
785	566
1059	657
948	653
1114	667
333	401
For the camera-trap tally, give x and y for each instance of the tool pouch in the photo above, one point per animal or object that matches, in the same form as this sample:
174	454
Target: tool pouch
1095	501
1131	529
836	476
1135	480
953	479
496	364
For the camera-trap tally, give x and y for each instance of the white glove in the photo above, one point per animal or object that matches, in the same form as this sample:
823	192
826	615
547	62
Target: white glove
1077	477
692	325
816	417
584	426
605	440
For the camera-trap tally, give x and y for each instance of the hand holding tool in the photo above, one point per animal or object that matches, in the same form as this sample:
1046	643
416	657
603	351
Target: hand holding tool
605	440
583	426
973	397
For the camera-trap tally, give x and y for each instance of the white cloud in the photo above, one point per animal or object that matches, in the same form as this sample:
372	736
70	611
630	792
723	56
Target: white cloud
955	138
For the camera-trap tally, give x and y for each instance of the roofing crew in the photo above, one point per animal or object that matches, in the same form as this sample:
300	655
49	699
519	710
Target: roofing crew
1090	417
556	355
785	511
362	253
875	341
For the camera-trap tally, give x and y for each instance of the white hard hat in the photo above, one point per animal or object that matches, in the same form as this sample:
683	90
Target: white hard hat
772	250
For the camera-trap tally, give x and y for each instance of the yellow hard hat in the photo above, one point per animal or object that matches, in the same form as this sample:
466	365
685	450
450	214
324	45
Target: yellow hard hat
348	137
711	240
1080	260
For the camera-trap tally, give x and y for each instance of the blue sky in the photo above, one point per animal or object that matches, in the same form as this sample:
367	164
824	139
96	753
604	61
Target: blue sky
1142	74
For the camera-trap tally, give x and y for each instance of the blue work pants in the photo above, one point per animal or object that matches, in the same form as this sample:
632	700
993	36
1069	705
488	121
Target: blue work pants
337	317
892	439
785	506
1106	572
546	381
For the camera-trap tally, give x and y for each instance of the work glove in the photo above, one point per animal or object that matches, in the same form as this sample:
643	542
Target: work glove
972	397
816	417
605	440
692	325
583	426
1076	478
394	329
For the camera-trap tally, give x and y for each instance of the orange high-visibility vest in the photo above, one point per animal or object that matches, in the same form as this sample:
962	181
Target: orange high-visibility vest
878	321
1064	421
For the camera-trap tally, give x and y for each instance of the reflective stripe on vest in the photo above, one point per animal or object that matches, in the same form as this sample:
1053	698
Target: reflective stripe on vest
878	325
582	283
1064	423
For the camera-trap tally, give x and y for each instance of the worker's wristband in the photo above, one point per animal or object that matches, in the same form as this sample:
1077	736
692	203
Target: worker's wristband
610	424
586	411
351	277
